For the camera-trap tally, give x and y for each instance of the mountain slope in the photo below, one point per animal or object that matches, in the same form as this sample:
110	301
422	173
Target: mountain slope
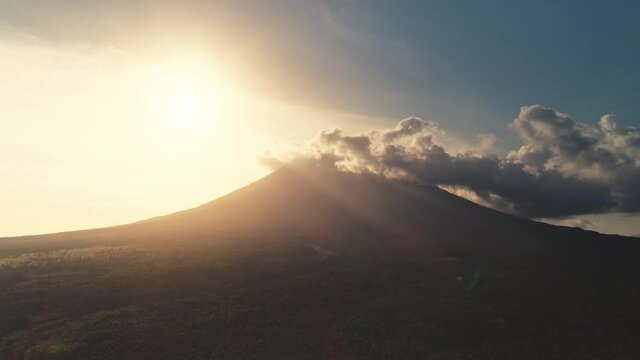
314	263
320	203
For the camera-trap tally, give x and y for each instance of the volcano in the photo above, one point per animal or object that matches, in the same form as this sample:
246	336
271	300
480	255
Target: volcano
310	262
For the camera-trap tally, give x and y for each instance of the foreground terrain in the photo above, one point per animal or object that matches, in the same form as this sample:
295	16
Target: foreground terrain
310	263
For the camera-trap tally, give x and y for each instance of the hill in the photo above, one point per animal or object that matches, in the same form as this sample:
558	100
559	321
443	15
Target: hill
314	263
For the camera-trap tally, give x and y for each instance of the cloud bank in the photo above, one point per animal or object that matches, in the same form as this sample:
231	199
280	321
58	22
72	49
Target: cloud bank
563	168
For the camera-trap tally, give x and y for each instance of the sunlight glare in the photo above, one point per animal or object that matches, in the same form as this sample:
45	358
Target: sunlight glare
185	97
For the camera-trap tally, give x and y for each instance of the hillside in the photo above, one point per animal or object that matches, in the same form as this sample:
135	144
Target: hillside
314	263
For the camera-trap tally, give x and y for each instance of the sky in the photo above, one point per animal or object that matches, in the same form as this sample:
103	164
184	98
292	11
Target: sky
122	110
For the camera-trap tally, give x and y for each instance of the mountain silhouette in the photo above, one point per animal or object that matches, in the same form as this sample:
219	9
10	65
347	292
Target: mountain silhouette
319	203
311	262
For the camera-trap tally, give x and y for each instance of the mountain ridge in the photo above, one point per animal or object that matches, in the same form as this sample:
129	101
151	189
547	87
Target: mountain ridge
308	175
315	202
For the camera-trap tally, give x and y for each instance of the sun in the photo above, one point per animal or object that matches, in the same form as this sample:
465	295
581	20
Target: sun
185	96
188	105
186	102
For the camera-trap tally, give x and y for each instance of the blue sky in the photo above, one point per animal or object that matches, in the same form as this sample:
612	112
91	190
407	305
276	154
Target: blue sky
577	57
472	64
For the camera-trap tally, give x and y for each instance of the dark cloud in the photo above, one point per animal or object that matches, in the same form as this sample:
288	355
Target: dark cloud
563	168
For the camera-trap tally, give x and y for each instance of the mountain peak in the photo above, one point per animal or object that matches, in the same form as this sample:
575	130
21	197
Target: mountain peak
319	203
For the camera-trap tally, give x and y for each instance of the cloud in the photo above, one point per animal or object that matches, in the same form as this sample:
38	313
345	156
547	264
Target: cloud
562	169
579	222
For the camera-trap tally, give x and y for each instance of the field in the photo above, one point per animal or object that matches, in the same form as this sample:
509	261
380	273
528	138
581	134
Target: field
300	299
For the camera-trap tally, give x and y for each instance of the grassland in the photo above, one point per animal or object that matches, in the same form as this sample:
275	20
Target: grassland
301	299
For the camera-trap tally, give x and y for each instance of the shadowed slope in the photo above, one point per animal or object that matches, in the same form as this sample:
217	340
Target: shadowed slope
312	202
